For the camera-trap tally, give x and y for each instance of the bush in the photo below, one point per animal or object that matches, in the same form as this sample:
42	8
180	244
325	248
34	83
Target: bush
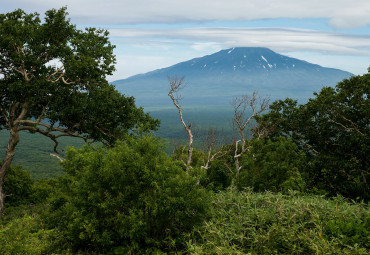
272	165
127	199
17	186
267	223
25	235
43	189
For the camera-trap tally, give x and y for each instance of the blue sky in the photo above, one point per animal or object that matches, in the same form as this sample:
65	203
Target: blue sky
152	34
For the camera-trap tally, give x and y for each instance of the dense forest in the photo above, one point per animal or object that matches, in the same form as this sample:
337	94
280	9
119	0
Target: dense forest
289	179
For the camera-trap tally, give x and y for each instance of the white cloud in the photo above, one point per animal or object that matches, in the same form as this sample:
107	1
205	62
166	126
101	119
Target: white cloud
158	48
275	38
342	14
141	50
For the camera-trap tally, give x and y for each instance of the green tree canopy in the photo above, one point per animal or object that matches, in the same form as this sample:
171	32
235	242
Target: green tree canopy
53	82
334	130
272	165
132	197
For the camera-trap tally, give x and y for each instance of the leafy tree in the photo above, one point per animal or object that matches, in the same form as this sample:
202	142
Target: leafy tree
43	189
334	130
272	165
53	82
130	198
18	186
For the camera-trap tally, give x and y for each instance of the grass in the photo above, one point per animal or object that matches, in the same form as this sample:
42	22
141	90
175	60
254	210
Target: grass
267	223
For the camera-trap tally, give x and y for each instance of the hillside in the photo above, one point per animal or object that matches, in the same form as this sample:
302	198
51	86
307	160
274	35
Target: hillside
216	78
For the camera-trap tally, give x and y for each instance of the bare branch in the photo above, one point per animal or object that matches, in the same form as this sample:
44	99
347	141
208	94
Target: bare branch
104	133
66	82
354	126
308	146
58	71
32	127
210	152
176	85
43	132
242	119
17	70
58	157
42	114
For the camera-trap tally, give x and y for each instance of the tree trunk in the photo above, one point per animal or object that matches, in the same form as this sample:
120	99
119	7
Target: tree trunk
190	151
10	151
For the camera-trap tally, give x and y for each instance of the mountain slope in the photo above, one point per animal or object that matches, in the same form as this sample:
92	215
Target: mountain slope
216	78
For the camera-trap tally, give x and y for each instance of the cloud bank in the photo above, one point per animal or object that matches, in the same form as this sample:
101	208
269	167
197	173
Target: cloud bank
342	14
275	38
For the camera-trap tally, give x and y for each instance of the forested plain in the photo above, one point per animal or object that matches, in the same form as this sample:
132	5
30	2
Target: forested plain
259	178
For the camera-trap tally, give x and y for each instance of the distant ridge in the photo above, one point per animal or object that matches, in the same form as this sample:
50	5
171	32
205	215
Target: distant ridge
215	79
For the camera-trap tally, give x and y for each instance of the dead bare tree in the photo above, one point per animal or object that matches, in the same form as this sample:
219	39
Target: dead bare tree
246	109
176	84
210	151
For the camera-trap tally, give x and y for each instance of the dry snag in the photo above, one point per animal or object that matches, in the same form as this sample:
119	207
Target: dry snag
176	84
210	151
246	109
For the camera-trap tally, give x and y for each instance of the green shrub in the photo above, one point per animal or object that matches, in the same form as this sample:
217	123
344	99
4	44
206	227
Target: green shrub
43	189
25	235
219	175
17	186
272	165
267	223
127	199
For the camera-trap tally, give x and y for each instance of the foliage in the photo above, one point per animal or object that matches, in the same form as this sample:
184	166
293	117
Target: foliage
25	235
266	223
21	189
72	93
130	198
43	189
272	165
333	129
17	186
53	82
219	175
221	171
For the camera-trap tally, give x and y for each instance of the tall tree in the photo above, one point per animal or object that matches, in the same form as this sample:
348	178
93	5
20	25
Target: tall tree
53	82
334	130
